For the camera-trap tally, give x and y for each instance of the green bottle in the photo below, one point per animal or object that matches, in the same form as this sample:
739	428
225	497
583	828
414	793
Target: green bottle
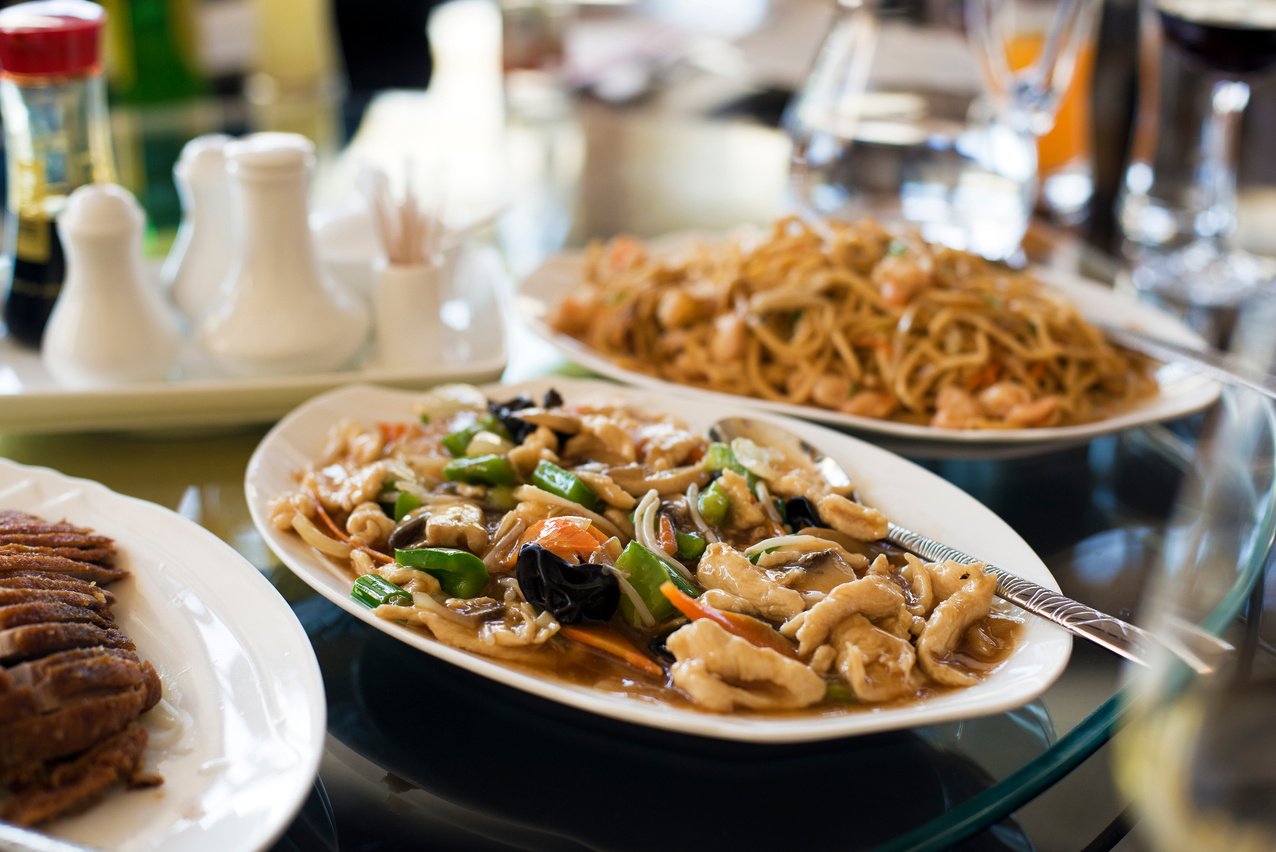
151	51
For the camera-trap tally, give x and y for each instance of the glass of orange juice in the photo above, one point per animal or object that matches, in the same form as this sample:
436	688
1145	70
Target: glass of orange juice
1064	164
1038	60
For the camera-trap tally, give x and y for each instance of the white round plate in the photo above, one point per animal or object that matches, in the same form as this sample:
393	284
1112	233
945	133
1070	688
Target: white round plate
1182	392
235	664
908	494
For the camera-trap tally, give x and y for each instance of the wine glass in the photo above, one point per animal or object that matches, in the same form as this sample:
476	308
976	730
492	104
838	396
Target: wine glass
1198	752
914	111
1198	60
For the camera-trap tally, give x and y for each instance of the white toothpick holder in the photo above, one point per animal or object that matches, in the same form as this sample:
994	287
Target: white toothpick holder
407	306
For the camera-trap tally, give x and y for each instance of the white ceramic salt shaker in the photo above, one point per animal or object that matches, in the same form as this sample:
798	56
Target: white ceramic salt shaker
206	241
110	326
279	312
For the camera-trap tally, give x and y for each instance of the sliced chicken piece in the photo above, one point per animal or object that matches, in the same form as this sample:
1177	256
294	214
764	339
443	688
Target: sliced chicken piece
720	671
860	522
877	665
745	512
873	597
637	481
666	445
723	567
921	592
541	444
459	525
724	600
601	439
607	489
949	622
458	633
369	525
946	578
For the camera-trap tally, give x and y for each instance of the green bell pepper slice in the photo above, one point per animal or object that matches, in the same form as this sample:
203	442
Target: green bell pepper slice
550	477
713	504
646	572
481	470
404	503
690	545
459	572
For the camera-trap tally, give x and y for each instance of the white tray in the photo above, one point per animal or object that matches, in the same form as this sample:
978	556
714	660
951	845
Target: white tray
475	351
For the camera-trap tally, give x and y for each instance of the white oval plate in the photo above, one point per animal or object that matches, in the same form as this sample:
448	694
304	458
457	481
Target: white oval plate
912	496
235	663
1182	392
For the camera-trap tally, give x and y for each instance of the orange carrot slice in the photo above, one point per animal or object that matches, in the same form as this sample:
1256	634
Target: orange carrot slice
666	538
329	522
610	642
564	537
749	629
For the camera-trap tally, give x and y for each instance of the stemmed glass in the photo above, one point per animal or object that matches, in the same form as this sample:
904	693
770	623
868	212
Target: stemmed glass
1198	61
913	112
1198	752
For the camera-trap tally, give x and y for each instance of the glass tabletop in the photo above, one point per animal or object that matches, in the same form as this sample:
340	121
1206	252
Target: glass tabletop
422	754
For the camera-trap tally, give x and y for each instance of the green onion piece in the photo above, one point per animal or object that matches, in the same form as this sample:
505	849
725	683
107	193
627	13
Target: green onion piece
552	478
755	556
372	590
459	572
690	545
839	693
404	503
481	470
501	497
713	504
896	248
646	572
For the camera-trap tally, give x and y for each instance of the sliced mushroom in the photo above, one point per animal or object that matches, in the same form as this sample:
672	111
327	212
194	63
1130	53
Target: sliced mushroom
606	489
566	424
637	482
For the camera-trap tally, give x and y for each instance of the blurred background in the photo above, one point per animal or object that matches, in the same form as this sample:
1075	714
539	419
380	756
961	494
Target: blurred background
177	68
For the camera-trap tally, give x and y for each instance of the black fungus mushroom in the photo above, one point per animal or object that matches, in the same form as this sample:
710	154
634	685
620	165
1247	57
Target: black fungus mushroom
801	513
518	428
572	593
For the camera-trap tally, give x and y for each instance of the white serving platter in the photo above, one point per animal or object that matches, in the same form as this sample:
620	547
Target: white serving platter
235	663
1182	391
907	493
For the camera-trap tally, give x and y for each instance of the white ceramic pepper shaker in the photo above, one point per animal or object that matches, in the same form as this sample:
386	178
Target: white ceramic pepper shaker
206	242
279	313
110	326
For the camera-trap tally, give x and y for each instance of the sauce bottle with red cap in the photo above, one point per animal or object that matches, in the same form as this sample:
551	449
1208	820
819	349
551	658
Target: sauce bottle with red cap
57	138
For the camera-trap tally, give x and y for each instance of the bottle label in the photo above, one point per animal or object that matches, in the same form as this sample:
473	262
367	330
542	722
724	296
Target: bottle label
34	236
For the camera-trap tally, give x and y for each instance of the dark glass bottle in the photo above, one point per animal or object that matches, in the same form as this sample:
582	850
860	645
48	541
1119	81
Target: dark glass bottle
53	101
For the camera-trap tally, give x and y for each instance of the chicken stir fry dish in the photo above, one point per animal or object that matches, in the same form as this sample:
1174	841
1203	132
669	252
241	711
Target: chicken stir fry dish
620	550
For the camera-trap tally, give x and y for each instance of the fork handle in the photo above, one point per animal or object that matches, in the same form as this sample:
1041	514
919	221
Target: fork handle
1119	637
